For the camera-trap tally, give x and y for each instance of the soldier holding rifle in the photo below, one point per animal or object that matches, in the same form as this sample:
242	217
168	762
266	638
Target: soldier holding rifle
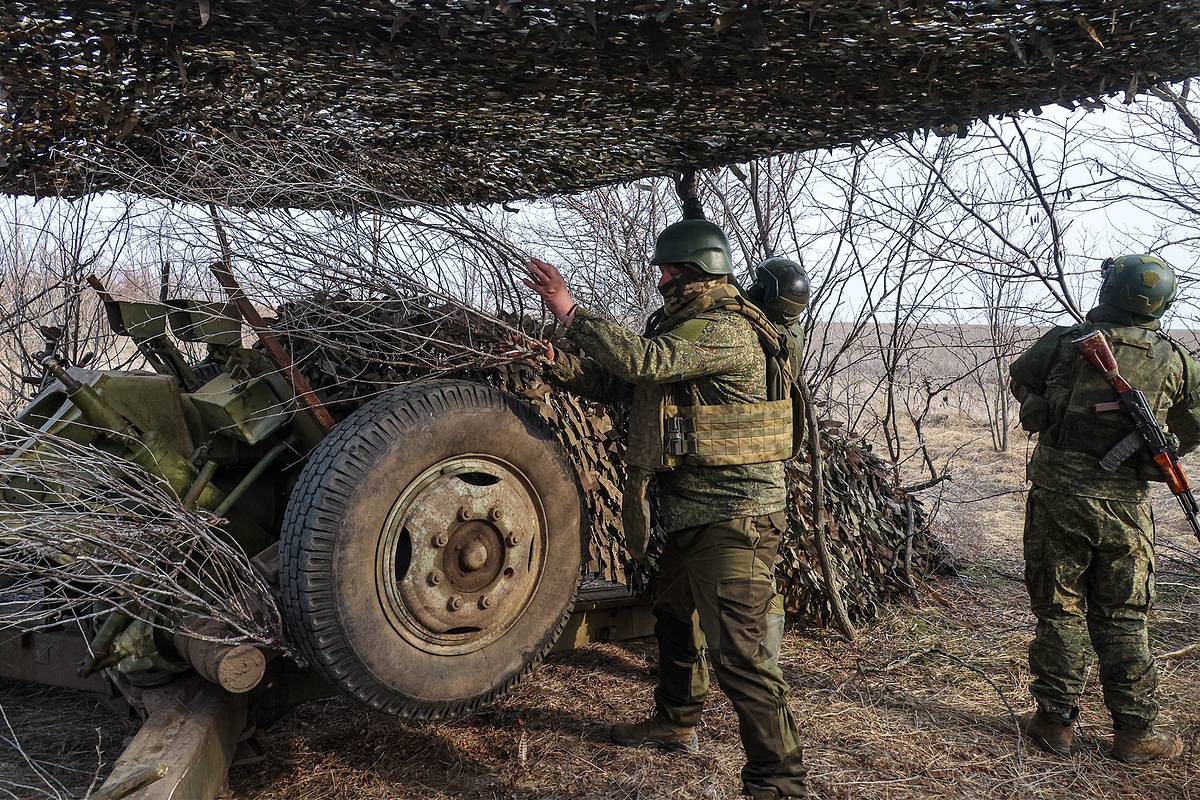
1096	394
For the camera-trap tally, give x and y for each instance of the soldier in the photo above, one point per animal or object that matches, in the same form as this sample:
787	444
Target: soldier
781	289
1089	533
705	358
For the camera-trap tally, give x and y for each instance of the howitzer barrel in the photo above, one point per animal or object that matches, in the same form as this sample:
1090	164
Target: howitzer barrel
236	668
93	407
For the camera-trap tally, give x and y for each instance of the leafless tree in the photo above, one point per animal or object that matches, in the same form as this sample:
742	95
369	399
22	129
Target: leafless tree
1151	158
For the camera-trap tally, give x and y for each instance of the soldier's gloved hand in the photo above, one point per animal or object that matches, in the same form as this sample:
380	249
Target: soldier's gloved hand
547	281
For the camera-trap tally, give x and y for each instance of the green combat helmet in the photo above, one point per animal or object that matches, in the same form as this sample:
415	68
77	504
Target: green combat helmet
1141	284
780	289
696	242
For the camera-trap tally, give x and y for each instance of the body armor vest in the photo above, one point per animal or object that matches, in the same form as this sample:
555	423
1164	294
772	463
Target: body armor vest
1146	359
665	433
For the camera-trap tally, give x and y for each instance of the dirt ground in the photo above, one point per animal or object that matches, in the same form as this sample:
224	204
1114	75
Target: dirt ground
921	705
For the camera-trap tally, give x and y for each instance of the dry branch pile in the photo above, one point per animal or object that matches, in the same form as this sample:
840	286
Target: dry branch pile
84	533
352	349
879	537
469	101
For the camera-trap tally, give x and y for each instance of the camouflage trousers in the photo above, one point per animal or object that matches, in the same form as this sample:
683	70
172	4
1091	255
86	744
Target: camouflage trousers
1089	567
716	585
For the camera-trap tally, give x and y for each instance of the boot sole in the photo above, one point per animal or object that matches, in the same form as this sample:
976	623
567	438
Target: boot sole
1046	747
691	748
1146	759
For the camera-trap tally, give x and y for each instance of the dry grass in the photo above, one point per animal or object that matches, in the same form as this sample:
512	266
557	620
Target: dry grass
70	736
918	707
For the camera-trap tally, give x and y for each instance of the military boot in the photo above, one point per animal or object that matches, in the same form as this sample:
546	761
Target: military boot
768	793
1142	745
657	731
1050	731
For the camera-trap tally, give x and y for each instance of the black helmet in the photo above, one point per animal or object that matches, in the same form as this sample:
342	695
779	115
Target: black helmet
780	289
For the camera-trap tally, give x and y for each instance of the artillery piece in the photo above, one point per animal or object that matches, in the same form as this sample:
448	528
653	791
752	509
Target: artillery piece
425	552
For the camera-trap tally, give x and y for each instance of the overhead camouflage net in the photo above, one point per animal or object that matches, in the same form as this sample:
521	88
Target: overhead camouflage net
447	101
879	538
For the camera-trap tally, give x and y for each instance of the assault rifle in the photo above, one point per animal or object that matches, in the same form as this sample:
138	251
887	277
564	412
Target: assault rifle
1146	431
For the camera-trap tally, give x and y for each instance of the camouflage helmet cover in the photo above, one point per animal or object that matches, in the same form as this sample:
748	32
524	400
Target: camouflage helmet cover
780	289
696	242
1141	284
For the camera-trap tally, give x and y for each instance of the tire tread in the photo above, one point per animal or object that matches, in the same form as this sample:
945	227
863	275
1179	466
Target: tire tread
309	536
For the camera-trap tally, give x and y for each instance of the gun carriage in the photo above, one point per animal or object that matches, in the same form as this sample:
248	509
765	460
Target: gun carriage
425	552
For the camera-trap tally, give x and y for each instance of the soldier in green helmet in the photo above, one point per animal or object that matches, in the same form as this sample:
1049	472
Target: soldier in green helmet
708	434
1089	533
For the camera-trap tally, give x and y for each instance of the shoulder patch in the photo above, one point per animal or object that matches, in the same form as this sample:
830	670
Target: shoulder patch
692	330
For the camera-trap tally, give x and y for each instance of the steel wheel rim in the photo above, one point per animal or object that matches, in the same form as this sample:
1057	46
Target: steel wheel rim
462	554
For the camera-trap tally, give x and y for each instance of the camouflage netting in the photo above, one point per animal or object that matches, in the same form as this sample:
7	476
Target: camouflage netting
480	100
879	535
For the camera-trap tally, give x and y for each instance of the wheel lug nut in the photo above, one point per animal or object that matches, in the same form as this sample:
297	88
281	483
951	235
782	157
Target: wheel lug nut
485	602
465	514
455	603
512	540
440	539
496	513
435	577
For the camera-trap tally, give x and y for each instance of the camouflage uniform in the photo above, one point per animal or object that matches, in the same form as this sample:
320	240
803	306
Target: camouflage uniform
723	527
1089	534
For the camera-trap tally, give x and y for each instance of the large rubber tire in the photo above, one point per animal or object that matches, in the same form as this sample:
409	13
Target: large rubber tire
352	559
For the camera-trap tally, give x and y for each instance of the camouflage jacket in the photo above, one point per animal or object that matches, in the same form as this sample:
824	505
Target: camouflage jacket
718	353
1058	392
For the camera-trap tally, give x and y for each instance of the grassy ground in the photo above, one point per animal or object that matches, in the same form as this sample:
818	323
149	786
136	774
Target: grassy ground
921	705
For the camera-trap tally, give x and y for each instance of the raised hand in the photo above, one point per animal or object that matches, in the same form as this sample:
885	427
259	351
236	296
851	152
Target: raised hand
547	281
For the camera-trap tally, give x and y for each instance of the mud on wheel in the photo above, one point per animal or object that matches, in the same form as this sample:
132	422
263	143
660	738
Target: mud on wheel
431	549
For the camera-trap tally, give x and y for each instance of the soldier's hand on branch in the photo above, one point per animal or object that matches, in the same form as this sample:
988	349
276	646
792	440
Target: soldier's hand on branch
528	351
547	281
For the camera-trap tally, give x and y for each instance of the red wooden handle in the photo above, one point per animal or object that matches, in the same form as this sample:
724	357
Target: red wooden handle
1177	479
1094	347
